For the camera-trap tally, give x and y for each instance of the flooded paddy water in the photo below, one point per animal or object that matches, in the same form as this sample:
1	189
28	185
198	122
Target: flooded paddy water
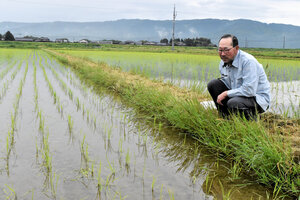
60	139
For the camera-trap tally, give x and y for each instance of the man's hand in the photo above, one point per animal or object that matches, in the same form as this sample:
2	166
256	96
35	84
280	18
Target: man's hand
221	97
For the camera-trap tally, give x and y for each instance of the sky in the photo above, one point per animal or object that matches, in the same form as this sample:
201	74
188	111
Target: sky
268	11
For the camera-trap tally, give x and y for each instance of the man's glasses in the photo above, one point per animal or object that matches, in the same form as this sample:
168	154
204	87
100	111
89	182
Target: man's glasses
225	50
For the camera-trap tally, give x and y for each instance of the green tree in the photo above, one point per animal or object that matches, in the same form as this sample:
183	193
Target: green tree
165	40
9	36
176	41
1	36
189	42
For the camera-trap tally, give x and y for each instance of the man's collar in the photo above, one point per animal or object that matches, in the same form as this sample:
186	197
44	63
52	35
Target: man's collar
227	64
235	62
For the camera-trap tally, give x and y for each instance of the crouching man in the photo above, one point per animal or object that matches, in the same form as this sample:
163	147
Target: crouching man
243	87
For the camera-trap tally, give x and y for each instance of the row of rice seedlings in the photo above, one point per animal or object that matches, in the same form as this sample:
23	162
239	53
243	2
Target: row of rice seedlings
8	81
89	171
56	98
63	85
170	191
7	69
13	75
70	123
87	168
51	177
57	66
90	116
85	159
9	192
36	95
10	139
99	181
93	99
85	171
63	71
59	106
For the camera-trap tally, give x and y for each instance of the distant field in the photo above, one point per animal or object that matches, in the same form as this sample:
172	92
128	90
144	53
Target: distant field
260	52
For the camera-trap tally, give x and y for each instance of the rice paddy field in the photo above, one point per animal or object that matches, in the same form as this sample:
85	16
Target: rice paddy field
194	71
64	138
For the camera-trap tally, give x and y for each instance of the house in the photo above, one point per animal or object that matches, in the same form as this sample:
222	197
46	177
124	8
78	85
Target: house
42	39
139	43
22	39
150	43
84	41
105	42
62	40
32	39
180	44
129	42
161	44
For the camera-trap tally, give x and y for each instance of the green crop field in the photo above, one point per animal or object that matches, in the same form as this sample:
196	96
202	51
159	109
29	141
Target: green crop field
194	71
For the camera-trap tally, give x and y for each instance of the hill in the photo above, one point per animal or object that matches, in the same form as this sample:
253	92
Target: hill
250	33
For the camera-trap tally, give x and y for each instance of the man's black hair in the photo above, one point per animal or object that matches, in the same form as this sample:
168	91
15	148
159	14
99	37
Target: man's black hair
235	41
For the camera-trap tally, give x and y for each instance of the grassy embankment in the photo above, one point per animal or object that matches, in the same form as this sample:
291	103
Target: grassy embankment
249	145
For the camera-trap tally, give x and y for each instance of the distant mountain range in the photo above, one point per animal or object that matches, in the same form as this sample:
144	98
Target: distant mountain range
250	33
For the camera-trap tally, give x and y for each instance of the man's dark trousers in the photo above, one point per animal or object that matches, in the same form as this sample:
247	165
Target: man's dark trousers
244	106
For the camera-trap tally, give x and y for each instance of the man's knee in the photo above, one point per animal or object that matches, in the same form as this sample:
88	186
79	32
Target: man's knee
236	103
212	84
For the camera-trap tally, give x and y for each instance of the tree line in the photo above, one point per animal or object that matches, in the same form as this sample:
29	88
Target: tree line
8	36
205	42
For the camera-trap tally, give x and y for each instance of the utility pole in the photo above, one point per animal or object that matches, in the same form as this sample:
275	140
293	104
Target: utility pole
173	34
283	45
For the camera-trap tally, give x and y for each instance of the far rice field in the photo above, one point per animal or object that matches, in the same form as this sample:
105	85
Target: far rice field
194	71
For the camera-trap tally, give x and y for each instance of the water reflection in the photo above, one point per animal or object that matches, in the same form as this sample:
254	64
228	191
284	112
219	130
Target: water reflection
209	175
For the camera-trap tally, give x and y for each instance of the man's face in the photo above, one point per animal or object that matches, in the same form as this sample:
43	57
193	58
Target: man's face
226	51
